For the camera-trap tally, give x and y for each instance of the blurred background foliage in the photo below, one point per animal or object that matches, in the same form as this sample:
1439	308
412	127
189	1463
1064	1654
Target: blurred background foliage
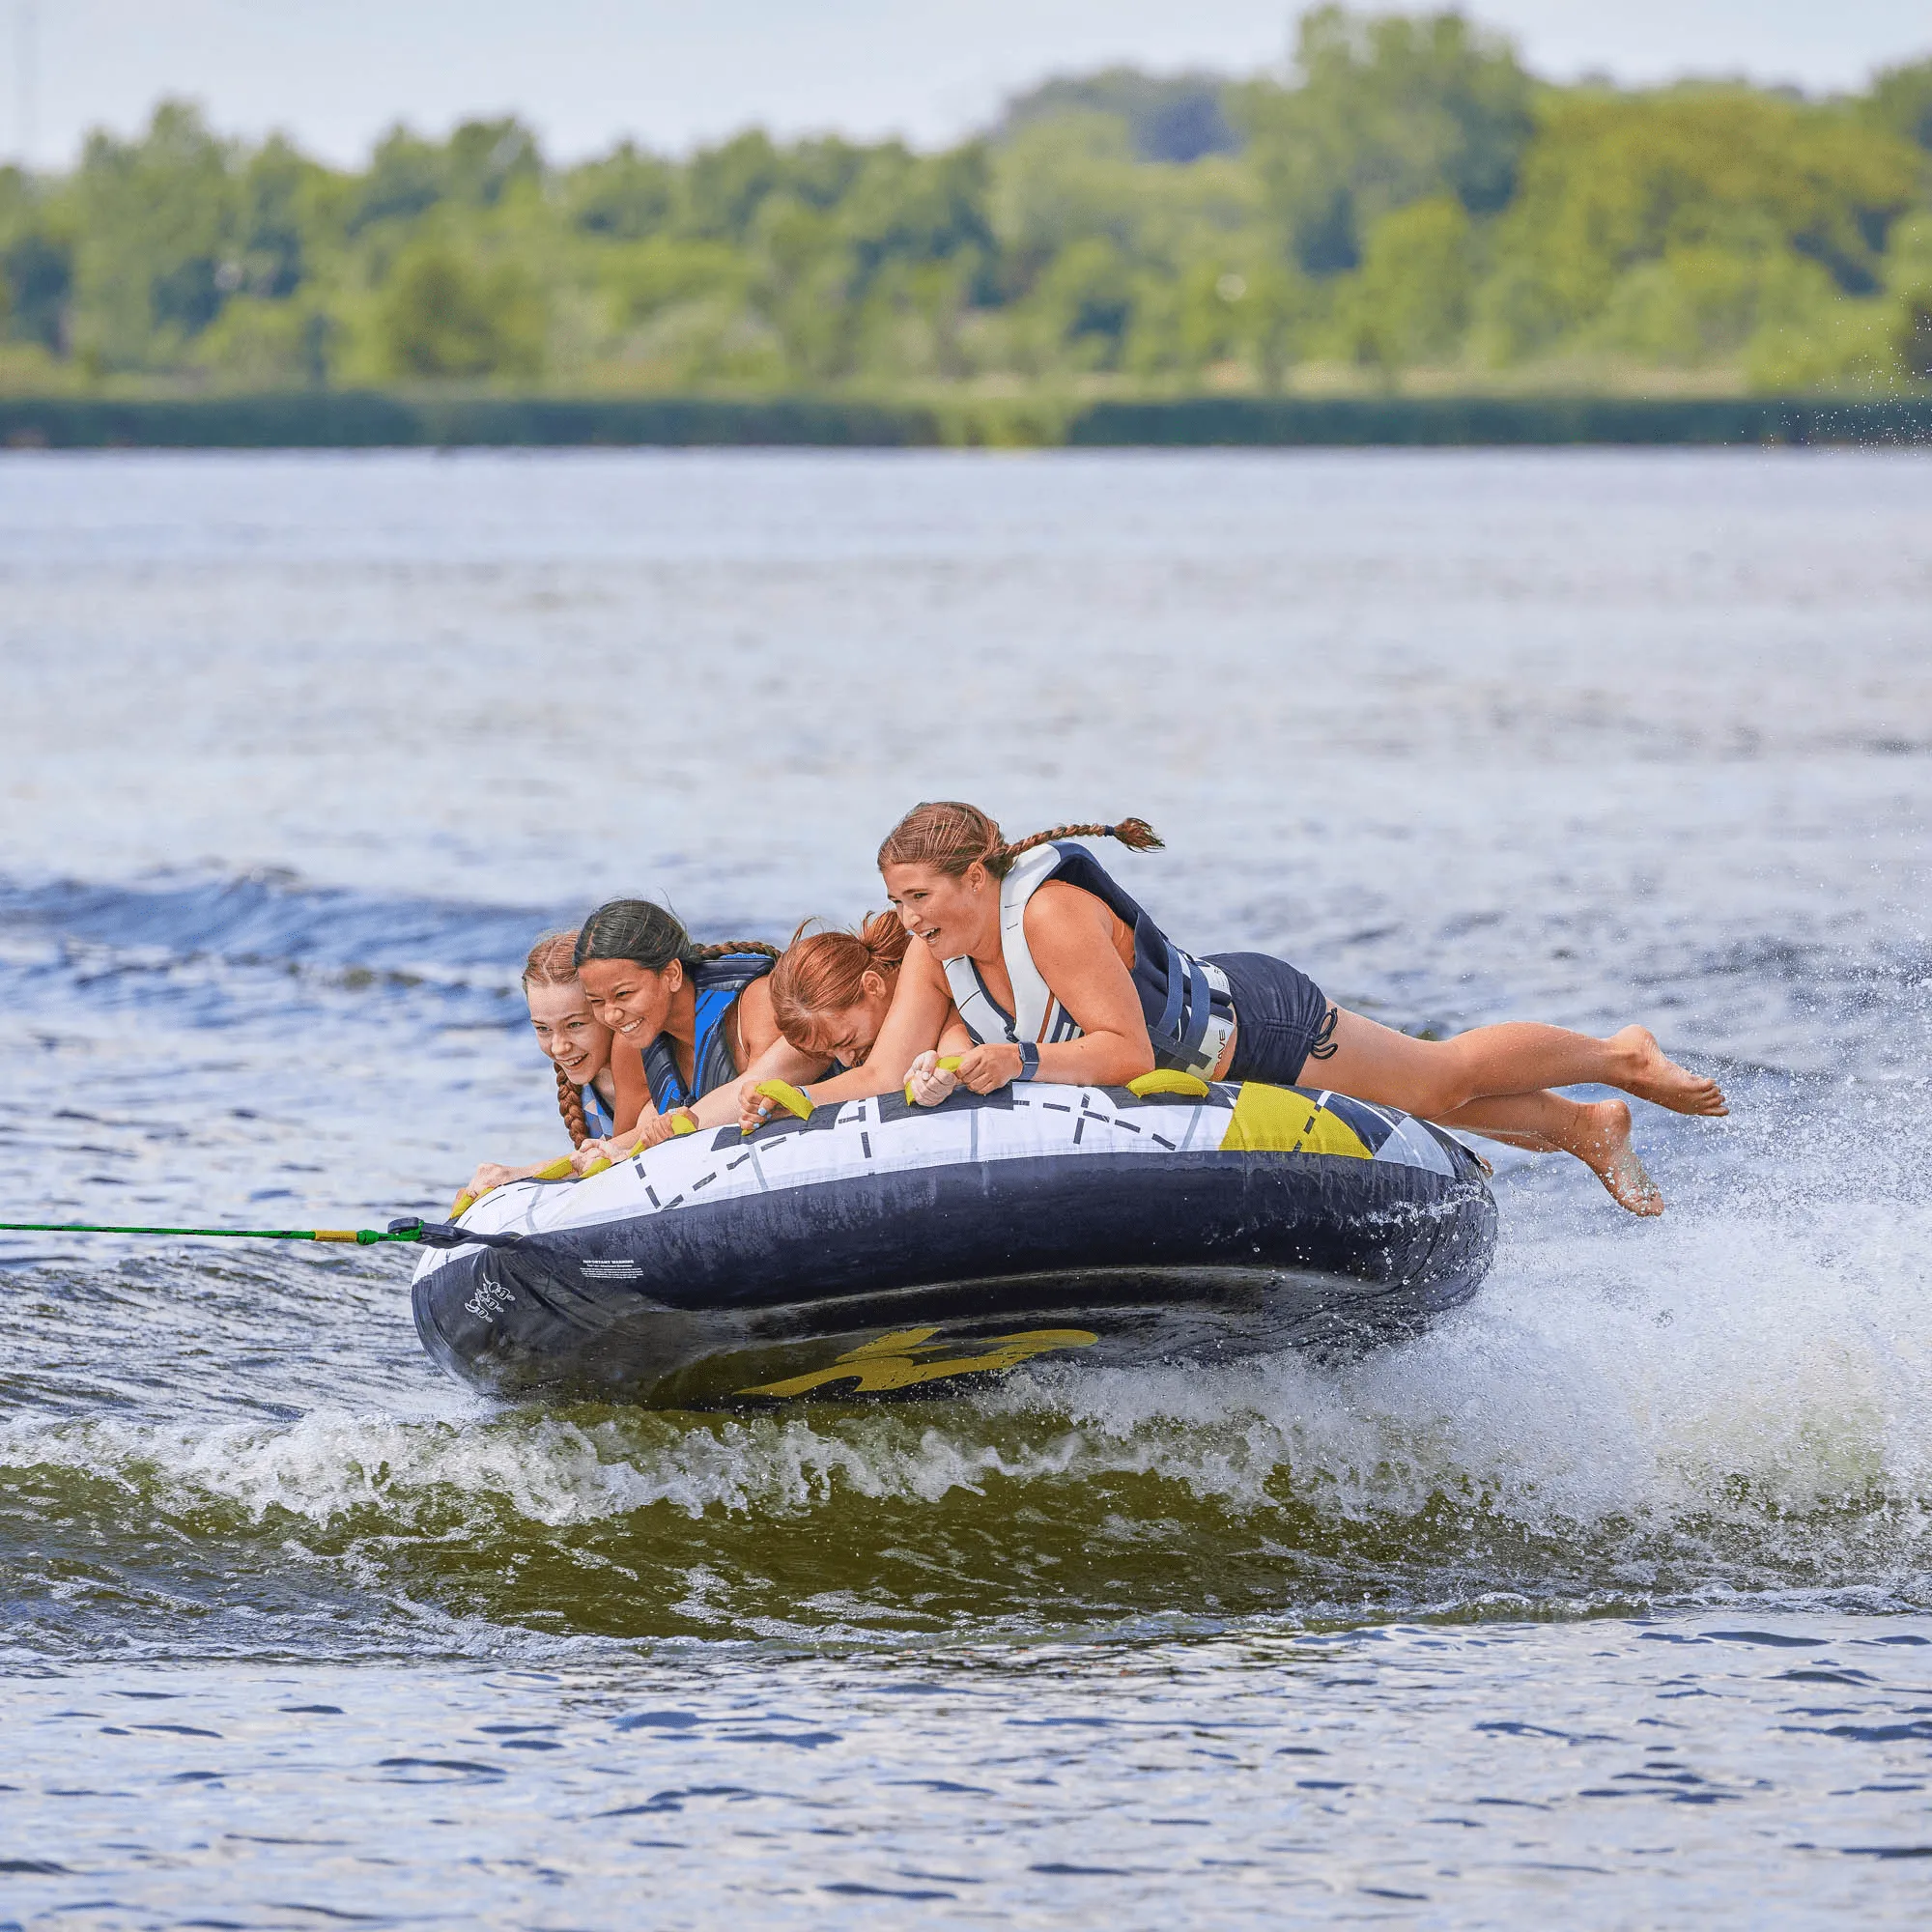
1403	207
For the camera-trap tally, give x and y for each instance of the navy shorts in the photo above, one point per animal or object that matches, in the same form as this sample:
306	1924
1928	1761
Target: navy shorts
1281	1016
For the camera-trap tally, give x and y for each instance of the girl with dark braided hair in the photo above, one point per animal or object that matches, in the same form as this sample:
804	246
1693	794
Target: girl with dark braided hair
1056	974
577	1043
693	1017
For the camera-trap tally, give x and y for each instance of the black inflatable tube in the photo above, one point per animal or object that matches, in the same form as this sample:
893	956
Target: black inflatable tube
1189	1256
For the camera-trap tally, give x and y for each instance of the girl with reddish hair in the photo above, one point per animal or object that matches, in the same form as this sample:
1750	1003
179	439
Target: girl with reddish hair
1051	970
831	991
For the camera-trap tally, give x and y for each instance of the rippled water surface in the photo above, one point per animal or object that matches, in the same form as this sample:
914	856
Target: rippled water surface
1607	1603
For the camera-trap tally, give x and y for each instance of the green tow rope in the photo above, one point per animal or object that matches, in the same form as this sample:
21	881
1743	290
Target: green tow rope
431	1234
362	1236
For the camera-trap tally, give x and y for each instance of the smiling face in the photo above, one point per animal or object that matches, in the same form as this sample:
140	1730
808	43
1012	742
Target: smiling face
847	1035
951	915
568	1032
630	998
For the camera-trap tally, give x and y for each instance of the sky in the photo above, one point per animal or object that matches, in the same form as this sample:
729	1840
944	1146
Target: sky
670	74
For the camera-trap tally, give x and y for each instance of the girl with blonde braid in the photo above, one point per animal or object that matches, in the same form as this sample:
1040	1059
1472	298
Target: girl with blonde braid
578	1045
1056	974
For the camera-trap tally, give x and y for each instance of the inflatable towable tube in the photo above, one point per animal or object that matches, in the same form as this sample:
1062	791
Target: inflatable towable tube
879	1248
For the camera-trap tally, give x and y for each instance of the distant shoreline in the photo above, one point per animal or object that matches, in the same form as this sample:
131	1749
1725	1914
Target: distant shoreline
368	419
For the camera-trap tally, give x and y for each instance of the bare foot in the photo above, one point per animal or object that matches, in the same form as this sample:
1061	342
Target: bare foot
1654	1076
1606	1148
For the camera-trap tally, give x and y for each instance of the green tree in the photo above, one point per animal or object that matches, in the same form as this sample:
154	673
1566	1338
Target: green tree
1405	195
1387	109
626	196
1616	185
664	272
916	209
265	344
158	237
444	315
1910	278
485	160
405	180
821	172
36	276
1900	102
1410	300
1083	306
285	204
1074	178
1167	116
1059	182
725	185
1913	336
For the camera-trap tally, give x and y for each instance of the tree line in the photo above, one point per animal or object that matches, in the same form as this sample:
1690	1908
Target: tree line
1406	205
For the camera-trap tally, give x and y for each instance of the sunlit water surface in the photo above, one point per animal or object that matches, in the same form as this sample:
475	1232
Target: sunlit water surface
1607	1603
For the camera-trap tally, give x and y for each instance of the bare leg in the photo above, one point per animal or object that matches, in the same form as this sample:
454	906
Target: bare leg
1598	1132
1433	1078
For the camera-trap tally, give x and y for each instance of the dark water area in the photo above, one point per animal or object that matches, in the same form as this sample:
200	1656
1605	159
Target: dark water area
1601	1603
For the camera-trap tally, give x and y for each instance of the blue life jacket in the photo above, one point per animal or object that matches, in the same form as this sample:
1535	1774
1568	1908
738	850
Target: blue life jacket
716	984
1187	1004
597	1117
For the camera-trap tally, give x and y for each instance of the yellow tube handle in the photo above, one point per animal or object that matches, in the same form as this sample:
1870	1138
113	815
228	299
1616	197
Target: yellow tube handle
949	1064
1166	1080
798	1105
557	1170
682	1121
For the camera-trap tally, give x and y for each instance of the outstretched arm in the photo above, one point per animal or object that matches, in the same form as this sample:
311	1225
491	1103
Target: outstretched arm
721	1107
779	1061
631	1098
922	1006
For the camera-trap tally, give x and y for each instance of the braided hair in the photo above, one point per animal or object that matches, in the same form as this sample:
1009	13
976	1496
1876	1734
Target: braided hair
569	1104
950	837
550	964
649	936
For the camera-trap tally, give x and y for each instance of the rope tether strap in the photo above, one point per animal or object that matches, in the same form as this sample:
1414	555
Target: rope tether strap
429	1233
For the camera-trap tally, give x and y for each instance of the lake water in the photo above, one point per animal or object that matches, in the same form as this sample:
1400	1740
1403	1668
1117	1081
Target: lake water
1608	1603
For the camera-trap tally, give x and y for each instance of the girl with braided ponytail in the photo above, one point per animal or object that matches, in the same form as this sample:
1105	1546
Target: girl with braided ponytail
1056	974
577	1043
689	1020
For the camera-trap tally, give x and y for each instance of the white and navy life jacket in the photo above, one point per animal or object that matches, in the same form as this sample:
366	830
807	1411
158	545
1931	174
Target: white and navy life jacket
1190	1012
715	984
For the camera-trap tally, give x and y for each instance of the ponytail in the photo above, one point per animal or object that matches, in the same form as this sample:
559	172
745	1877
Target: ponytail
951	837
825	973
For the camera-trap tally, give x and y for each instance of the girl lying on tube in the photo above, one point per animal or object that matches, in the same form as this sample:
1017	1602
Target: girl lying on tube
1050	970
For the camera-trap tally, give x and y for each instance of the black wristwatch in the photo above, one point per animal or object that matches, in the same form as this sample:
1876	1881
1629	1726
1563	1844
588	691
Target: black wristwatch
1029	1059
